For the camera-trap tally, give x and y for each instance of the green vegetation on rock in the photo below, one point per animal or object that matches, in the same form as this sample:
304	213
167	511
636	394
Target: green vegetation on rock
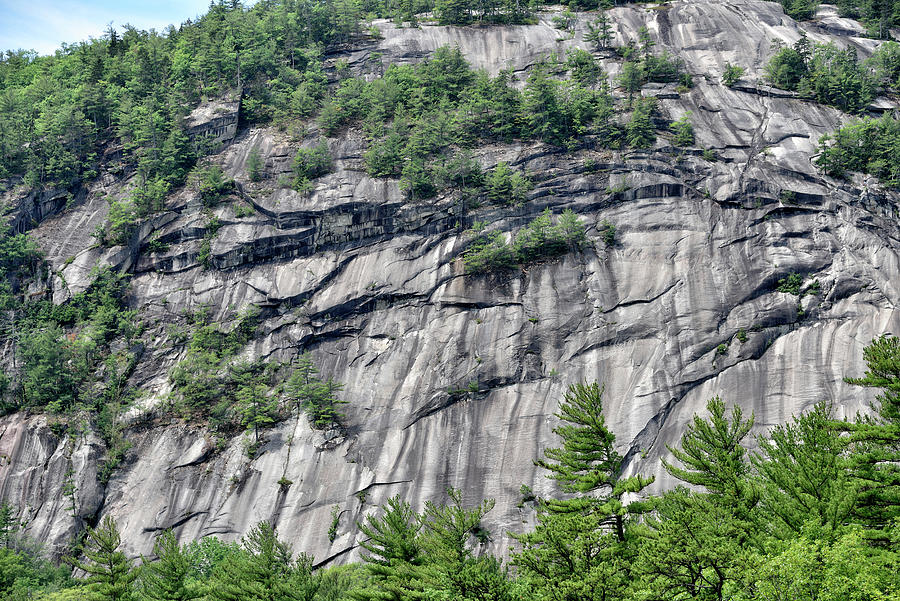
540	239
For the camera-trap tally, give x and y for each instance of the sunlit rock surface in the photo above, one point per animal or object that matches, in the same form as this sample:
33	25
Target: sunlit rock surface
371	283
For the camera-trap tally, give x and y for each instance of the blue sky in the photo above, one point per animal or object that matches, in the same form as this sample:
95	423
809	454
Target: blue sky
43	24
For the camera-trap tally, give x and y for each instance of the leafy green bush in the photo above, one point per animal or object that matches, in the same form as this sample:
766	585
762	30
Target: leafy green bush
789	65
540	239
460	172
639	133
836	77
488	252
800	9
663	68
125	214
310	163
209	384
825	72
503	185
608	232
19	258
791	284
867	145
684	131
731	74
385	156
212	184
62	347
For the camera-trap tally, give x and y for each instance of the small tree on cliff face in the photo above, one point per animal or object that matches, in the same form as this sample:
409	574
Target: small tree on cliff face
254	165
109	573
307	392
580	545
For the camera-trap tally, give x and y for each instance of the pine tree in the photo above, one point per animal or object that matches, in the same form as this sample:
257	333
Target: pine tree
256	409
452	570
9	524
802	467
695	549
307	392
684	131
254	165
166	579
264	571
639	130
631	78
394	552
110	576
875	462
581	547
713	457
588	461
430	556
599	31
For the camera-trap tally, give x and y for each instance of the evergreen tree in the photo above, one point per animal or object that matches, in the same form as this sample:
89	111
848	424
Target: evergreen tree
110	576
713	457
394	552
631	78
696	548
257	410
803	474
451	569
599	31
264	571
581	547
315	396
254	165
588	461
452	12
684	131
167	578
541	107
47	379
875	463
639	131
9	523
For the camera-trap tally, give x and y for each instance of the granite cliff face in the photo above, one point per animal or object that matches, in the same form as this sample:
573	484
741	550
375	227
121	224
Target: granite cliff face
371	283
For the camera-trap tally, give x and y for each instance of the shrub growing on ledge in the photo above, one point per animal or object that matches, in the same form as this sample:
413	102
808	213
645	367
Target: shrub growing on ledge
869	145
309	164
212	184
829	74
684	131
732	74
540	239
503	185
317	397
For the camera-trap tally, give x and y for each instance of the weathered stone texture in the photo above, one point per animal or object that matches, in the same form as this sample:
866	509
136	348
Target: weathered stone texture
370	282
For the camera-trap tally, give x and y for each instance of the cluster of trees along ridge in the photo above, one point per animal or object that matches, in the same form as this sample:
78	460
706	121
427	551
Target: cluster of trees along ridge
812	514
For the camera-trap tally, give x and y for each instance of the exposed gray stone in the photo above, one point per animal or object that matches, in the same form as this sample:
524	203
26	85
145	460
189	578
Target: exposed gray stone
370	282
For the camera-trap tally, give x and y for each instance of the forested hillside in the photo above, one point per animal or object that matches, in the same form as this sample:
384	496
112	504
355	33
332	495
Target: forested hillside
330	299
